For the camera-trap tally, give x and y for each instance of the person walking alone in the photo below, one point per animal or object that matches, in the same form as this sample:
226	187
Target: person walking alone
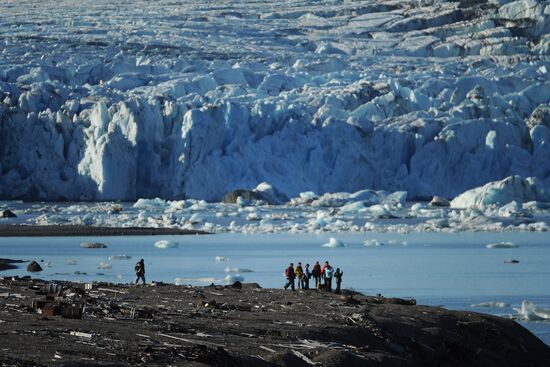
140	271
338	276
290	275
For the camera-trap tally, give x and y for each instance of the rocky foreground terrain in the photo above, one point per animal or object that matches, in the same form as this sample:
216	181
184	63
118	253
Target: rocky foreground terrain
244	325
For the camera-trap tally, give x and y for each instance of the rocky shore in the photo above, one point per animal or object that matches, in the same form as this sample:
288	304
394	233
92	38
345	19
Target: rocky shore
244	325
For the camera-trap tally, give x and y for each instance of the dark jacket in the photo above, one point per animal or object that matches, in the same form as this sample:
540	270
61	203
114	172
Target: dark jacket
289	273
316	271
140	268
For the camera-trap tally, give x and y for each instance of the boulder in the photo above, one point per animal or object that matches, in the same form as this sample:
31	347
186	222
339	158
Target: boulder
7	214
34	267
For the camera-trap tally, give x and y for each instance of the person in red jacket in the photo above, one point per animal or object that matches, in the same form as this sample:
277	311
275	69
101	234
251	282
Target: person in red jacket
290	276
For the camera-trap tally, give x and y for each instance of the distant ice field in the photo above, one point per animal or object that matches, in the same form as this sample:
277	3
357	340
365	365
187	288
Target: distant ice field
455	270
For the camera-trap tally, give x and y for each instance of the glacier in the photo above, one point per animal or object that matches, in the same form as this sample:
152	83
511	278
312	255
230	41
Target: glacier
191	100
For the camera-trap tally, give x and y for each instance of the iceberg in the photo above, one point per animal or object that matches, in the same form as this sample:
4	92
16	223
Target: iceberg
165	244
238	270
501	245
334	243
493	304
104	265
499	193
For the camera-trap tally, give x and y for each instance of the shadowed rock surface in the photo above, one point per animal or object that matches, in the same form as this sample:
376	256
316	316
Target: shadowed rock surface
224	326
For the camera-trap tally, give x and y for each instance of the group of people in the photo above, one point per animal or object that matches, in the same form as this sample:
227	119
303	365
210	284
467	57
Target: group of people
322	276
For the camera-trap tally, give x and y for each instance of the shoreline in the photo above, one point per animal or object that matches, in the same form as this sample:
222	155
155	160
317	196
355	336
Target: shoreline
246	325
18	230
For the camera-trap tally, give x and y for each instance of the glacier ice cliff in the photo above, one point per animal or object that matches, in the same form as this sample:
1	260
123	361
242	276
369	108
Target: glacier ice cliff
179	100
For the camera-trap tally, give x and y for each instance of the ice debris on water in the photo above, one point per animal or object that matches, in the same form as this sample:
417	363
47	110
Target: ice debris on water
104	265
165	244
334	243
372	243
220	259
71	262
238	270
507	244
120	257
232	278
531	312
493	304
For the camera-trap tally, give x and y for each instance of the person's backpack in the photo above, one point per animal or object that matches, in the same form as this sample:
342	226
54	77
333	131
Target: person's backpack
286	272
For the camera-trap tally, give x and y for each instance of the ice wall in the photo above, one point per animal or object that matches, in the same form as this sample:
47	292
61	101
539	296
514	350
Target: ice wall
179	100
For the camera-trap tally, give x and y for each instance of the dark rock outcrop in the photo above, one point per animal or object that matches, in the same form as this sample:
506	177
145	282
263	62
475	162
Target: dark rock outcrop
34	267
6	213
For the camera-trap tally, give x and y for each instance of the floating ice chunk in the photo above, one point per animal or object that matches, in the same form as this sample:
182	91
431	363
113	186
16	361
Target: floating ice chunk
184	281
530	311
238	270
104	265
372	243
232	278
164	244
120	257
334	243
155	203
253	216
493	304
502	245
221	259
71	262
93	245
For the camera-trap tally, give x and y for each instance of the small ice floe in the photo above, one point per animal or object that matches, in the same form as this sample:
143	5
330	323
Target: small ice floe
530	311
502	245
511	261
104	265
119	276
238	270
253	216
184	281
221	259
120	257
372	243
492	304
164	244
93	245
71	262
232	278
334	243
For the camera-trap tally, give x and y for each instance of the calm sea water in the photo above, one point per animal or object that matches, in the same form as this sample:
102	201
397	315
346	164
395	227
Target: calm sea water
451	270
